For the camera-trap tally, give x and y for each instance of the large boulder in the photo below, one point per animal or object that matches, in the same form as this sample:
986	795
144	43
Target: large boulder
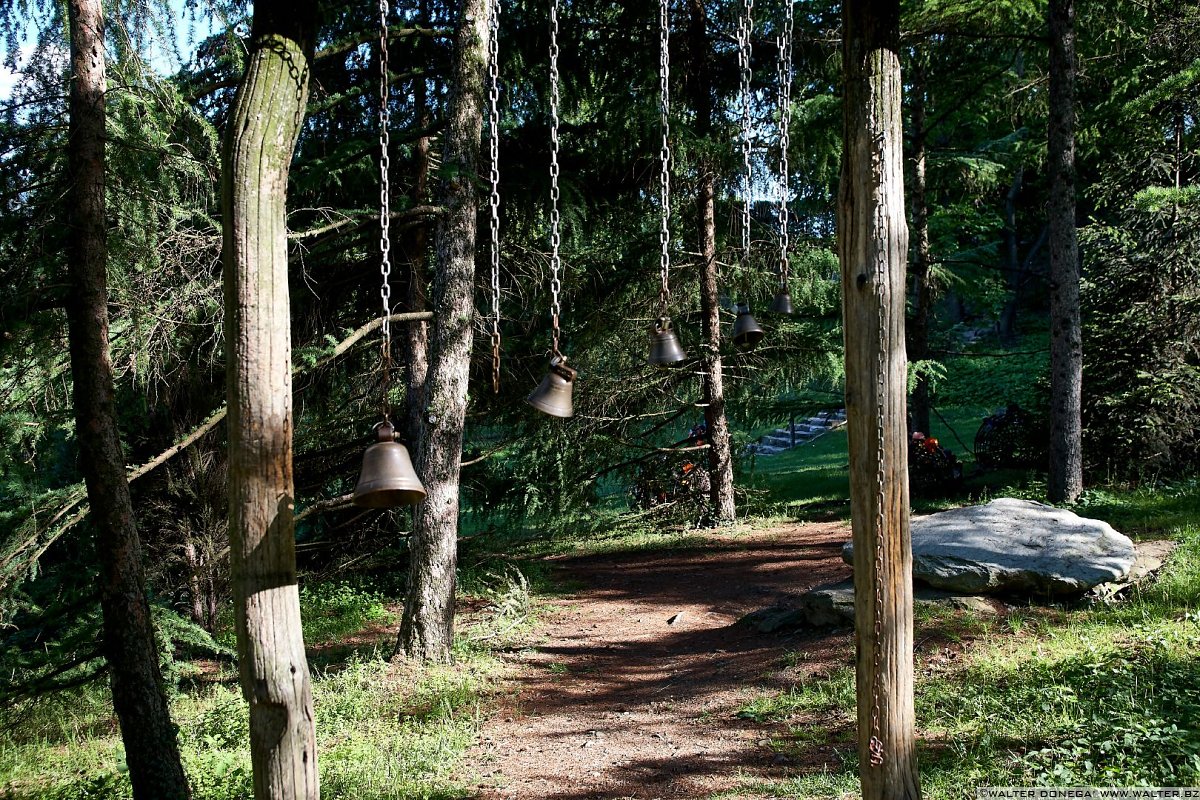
1015	546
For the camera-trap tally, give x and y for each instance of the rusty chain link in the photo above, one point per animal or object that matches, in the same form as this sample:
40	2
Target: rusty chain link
555	240
784	75
664	85
745	29
385	212
494	176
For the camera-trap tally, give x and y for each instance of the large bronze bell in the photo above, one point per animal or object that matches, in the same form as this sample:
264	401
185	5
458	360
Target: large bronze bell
553	394
665	349
746	330
782	304
387	479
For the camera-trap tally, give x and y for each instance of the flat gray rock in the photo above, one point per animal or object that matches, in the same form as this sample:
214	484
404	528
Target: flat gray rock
1015	546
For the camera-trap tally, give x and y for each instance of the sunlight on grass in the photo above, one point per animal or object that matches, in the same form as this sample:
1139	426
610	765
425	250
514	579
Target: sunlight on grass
1097	695
385	731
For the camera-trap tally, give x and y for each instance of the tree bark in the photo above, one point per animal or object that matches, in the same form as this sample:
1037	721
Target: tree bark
417	331
151	748
720	454
918	334
427	629
263	128
873	249
1012	246
1065	482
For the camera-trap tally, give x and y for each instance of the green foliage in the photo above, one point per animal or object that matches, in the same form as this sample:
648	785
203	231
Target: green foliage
998	376
331	610
1142	341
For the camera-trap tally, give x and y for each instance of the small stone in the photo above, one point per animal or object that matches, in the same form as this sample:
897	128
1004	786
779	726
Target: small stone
675	618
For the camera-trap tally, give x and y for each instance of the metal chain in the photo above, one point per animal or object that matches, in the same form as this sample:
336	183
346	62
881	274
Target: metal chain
555	265
494	201
664	85
879	234
385	210
785	108
745	28
298	74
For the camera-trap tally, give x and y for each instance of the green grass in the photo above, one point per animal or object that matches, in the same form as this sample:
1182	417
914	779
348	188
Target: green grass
384	731
1099	695
812	481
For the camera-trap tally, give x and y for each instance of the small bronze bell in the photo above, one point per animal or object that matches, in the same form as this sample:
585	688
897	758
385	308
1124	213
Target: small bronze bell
782	304
664	345
746	330
387	479
553	395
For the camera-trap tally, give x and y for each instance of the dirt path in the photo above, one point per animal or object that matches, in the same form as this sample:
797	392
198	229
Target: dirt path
633	687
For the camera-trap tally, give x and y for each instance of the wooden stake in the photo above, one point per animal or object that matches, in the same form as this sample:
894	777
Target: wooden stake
873	246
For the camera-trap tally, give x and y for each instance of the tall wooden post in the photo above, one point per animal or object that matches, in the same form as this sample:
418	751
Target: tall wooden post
873	247
261	135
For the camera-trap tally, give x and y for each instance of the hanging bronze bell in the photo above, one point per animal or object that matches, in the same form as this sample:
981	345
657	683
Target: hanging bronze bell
553	395
665	349
746	330
782	304
387	479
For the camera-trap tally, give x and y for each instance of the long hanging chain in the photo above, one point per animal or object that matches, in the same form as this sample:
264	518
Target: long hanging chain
785	109
664	85
745	28
385	210
494	201
555	265
879	234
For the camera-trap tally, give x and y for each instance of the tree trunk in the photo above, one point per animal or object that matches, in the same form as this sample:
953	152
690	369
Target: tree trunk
873	248
720	454
1066	339
151	749
261	135
427	629
918	334
196	594
1012	246
417	331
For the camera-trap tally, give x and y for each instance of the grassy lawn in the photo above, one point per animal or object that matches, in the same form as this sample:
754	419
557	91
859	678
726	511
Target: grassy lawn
812	480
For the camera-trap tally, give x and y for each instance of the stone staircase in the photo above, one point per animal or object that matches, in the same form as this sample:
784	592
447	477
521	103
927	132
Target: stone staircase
799	432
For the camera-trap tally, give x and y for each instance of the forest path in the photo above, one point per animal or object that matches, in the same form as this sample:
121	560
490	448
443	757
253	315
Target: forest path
613	699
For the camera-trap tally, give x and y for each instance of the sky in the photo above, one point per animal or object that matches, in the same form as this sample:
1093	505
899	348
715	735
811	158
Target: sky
159	57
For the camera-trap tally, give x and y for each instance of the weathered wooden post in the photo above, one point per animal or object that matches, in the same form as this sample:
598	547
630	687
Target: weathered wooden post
260	137
872	247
